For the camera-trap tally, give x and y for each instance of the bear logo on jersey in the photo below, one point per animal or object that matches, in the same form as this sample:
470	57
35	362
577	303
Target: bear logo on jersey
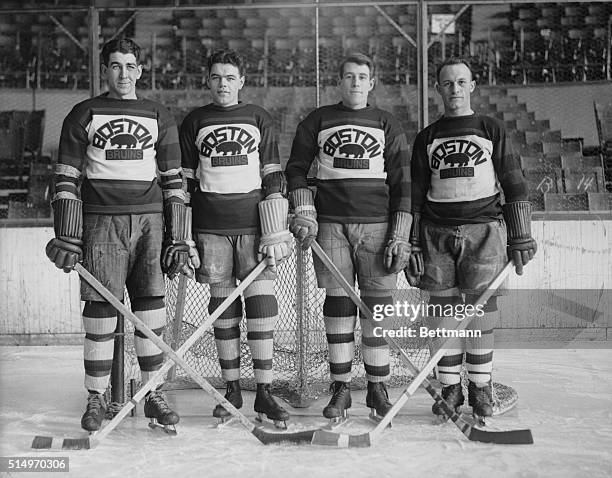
453	156
120	137
124	139
232	144
351	148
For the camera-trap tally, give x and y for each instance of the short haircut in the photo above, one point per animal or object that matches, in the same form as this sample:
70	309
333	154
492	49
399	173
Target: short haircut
453	60
360	59
227	57
121	45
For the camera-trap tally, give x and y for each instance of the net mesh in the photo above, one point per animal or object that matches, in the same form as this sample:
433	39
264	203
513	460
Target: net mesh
300	357
300	361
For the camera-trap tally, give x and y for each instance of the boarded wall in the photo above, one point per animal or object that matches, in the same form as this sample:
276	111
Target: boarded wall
564	296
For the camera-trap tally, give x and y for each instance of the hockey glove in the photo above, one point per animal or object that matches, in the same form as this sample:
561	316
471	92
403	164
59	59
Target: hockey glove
416	267
304	224
274	183
276	243
175	250
521	246
397	252
194	256
65	251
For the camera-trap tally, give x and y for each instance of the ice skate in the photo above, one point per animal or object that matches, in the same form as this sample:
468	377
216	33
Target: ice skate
337	408
266	407
453	396
232	395
481	401
377	401
94	413
159	413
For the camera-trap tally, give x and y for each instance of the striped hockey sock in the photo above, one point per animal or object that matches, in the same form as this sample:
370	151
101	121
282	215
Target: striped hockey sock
449	366
479	350
227	330
152	311
262	314
375	350
340	317
99	321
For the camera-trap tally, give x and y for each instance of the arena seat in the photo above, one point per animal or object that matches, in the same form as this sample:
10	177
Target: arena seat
578	161
565	202
599	201
541	181
583	180
551	147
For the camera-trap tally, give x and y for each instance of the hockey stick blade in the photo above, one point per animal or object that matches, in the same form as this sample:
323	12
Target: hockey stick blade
472	433
87	442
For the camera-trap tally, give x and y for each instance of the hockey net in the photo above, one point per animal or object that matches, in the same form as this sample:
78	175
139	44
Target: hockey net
300	360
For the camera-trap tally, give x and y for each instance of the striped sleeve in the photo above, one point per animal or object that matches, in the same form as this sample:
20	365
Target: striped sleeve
169	158
189	156
397	165
420	173
268	146
508	168
72	152
303	152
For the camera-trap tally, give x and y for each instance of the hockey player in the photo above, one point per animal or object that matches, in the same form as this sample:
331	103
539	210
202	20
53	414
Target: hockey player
360	217
462	235
111	212
237	192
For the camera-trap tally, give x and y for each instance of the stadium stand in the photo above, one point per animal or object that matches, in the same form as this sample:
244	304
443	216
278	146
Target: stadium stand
24	172
524	44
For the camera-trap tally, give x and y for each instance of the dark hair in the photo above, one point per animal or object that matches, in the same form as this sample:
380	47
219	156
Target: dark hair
453	60
121	45
228	57
360	59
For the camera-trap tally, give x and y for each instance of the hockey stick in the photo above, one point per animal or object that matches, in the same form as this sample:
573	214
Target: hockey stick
86	443
342	440
177	323
41	442
262	435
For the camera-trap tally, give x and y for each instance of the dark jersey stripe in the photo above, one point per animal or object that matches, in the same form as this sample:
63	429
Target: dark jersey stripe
352	201
238	213
103	196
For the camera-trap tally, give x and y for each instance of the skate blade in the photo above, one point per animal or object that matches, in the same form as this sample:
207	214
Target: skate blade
374	416
479	420
335	423
440	419
168	429
278	424
224	422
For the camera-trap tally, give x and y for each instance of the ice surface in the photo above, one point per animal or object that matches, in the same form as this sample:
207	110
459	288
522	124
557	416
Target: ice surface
565	398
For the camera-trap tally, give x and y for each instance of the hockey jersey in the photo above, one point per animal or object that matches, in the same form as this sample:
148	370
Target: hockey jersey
460	166
225	153
124	152
363	163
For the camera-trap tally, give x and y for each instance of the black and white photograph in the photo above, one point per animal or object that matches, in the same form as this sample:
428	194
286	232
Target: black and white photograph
305	239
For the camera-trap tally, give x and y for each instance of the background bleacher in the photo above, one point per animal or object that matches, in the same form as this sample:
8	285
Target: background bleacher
510	46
